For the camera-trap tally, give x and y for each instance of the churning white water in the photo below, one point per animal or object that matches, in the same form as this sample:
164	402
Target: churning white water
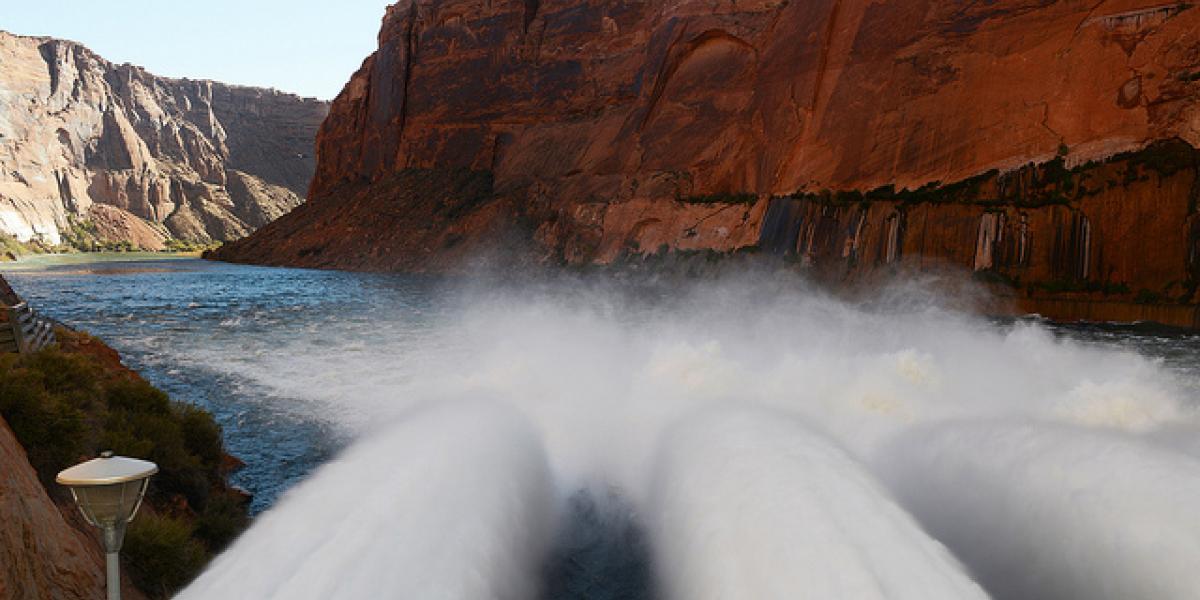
770	442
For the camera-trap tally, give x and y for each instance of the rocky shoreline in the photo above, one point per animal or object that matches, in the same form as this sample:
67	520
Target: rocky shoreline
63	405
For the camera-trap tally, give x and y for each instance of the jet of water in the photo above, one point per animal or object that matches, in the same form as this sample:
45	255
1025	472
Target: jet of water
453	502
1045	511
749	503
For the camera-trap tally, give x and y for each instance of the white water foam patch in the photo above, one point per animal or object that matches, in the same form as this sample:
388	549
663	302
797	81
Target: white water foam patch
750	504
1051	512
1121	404
452	503
603	381
861	373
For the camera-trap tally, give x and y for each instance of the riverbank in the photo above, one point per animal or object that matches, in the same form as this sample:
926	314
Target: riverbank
13	250
40	259
66	404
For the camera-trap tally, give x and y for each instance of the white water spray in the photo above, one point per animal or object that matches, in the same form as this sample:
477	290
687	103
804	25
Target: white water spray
452	503
1042	512
602	378
749	504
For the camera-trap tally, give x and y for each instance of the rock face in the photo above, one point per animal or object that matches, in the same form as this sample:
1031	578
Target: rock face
92	151
610	128
41	556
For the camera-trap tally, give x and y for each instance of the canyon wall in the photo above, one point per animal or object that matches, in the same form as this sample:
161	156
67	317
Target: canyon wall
598	130
92	152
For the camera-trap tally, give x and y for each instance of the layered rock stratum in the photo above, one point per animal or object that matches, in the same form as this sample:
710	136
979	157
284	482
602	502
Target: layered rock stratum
94	152
1048	145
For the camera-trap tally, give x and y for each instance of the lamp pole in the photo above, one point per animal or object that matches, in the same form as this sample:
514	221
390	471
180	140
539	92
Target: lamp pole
109	490
114	535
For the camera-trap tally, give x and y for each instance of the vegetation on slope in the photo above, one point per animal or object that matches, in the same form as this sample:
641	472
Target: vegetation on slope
82	235
69	403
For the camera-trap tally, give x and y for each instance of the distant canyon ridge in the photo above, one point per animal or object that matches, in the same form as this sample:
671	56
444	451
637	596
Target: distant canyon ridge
94	154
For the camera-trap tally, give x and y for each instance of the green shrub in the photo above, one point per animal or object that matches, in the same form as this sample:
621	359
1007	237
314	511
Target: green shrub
224	517
118	246
46	399
80	234
201	434
161	554
142	421
11	248
178	245
65	406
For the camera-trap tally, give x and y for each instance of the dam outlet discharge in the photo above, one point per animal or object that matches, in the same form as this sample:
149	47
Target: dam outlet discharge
739	438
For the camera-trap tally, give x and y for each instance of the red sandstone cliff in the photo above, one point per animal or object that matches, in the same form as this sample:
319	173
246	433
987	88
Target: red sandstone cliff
608	127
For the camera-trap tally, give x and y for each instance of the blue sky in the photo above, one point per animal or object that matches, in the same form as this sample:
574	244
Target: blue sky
307	47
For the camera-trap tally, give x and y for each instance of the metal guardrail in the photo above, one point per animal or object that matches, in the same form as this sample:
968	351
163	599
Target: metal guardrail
26	332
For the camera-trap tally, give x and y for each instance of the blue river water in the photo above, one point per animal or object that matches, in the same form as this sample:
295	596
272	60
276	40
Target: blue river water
163	313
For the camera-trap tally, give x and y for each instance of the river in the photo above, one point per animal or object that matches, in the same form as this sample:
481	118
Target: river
744	435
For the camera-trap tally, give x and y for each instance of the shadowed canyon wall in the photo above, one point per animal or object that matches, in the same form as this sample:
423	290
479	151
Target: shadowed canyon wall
96	152
43	556
599	130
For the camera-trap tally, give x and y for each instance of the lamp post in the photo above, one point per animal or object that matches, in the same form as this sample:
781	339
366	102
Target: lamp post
109	491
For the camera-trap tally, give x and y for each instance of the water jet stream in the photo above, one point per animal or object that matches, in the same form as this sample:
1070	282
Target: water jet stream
750	504
452	503
1043	512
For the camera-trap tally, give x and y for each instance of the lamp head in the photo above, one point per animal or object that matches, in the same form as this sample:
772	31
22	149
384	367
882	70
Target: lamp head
108	489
